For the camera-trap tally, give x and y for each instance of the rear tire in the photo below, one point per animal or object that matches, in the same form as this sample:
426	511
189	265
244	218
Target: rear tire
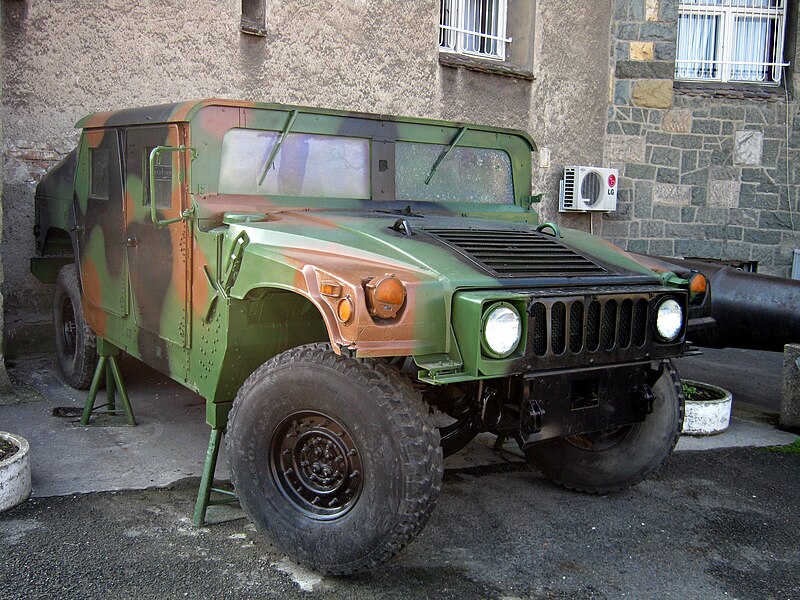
335	459
76	343
614	460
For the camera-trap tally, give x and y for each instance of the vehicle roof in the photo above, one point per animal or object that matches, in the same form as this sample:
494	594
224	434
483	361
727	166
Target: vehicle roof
181	112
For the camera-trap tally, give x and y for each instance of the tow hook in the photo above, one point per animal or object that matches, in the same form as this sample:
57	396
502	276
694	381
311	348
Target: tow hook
645	392
531	417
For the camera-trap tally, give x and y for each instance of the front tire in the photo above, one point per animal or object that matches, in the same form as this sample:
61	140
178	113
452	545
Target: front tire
76	343
615	460
335	459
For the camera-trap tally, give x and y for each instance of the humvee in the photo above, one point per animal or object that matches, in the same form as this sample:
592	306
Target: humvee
356	296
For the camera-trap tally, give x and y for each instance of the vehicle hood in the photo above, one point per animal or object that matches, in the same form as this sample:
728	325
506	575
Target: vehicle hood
468	252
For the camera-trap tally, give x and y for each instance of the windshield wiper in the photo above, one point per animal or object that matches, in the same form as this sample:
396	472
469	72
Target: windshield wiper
444	154
277	146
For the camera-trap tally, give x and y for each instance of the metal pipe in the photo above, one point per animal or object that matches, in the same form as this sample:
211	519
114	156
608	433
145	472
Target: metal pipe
749	310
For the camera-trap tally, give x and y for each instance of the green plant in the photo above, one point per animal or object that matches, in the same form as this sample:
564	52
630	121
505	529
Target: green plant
793	448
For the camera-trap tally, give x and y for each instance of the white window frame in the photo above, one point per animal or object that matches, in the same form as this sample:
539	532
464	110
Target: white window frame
723	65
474	27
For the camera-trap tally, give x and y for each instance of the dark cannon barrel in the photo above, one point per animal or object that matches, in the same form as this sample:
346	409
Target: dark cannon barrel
749	310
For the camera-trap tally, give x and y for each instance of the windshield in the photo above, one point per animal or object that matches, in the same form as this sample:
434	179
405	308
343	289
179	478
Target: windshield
466	175
316	166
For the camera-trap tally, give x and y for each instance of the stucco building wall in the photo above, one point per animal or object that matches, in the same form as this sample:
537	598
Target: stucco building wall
66	59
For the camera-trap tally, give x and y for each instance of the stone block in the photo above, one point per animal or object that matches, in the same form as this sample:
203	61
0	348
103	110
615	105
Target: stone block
665	157
777	220
699	196
688	214
661	247
655	117
688	161
635	171
651	10
628	31
652	229
631	128
624	148
667	175
677	121
687	142
652	93
656	138
723	194
639	246
666	212
665	51
748	146
656	69
722	173
711	215
746	217
698	177
622	92
760	236
706	126
659	32
643	51
702	248
636	9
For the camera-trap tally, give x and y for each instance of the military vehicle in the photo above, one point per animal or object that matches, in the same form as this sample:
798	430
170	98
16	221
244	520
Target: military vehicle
356	296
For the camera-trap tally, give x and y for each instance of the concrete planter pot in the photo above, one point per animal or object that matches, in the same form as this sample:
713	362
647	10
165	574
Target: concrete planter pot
15	473
710	416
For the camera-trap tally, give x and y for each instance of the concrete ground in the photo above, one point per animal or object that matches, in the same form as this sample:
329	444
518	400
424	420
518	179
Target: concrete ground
710	524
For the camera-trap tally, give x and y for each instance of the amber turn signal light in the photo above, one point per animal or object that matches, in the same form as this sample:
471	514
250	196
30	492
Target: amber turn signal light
385	296
698	288
344	309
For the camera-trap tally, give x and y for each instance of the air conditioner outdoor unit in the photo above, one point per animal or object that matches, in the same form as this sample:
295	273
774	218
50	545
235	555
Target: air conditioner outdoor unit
588	188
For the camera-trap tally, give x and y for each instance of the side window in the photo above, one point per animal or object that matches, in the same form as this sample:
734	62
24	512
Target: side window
163	178
497	30
99	172
720	40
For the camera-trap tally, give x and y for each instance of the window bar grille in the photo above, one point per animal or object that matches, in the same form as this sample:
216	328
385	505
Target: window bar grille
476	27
731	40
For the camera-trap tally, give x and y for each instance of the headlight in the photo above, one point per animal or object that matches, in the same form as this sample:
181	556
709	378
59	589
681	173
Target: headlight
502	329
669	319
385	296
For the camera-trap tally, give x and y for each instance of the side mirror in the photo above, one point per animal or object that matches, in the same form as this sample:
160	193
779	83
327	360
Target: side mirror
186	214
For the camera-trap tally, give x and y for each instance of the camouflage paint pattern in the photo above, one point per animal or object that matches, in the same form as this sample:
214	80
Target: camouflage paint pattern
210	297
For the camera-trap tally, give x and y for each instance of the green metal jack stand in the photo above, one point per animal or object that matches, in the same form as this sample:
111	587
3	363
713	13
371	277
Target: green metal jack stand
107	367
204	499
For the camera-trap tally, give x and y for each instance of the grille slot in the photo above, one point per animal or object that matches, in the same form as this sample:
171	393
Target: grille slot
576	326
559	327
539	328
565	328
518	253
640	323
625	316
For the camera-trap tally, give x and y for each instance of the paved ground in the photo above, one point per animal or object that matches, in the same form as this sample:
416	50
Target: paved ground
713	524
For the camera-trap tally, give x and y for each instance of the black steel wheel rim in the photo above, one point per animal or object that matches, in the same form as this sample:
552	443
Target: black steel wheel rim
69	328
316	465
600	441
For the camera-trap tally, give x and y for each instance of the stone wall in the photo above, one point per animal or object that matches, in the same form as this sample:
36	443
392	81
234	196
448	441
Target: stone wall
66	59
705	169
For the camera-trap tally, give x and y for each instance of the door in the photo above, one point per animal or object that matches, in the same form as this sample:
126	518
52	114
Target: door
157	256
100	222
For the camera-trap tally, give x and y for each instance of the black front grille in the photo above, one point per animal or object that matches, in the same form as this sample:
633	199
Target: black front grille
518	253
570	327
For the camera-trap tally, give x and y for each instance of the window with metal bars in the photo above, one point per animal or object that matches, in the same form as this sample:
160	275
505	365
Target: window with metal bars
474	27
731	40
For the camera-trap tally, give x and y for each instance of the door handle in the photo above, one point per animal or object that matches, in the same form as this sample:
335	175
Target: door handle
131	242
